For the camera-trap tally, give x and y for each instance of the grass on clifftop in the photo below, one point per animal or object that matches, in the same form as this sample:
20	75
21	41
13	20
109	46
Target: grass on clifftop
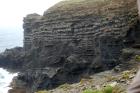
72	4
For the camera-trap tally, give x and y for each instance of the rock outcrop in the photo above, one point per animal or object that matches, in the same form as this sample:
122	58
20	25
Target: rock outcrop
75	37
87	32
12	59
90	32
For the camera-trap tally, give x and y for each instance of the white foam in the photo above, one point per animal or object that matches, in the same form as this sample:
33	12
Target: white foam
5	80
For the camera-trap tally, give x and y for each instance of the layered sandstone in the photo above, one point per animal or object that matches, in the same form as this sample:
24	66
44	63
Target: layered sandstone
93	30
75	37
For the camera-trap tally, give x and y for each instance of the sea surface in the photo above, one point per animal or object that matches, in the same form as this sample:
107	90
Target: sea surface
9	38
5	79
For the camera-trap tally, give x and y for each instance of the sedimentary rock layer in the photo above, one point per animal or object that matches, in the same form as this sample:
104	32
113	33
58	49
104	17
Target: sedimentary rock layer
75	37
92	30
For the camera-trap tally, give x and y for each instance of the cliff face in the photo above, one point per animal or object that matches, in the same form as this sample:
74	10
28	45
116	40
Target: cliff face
89	32
76	37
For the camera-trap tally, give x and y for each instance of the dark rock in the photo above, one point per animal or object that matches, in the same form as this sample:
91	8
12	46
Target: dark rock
17	91
12	58
73	38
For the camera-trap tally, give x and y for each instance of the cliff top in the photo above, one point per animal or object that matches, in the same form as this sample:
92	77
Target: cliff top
91	6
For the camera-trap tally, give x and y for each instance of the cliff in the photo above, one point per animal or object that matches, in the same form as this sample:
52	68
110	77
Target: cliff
74	38
80	32
92	30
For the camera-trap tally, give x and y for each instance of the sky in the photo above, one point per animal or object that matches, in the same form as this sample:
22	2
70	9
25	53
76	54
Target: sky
11	19
13	11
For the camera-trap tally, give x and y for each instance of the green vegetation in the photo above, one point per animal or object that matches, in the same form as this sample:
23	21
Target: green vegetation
44	91
107	89
137	58
126	75
88	91
91	91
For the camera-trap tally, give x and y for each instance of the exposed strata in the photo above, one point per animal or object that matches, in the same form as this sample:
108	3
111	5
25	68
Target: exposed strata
75	37
90	29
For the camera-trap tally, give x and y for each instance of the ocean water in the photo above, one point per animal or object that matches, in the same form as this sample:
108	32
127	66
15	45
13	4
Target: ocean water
9	38
5	79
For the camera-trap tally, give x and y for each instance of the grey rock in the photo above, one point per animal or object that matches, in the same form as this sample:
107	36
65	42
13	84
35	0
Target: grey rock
75	37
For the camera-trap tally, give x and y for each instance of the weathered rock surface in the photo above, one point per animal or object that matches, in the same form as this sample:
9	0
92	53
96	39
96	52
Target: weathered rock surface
75	37
86	32
12	58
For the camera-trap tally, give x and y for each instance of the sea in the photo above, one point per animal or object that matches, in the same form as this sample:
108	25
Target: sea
9	38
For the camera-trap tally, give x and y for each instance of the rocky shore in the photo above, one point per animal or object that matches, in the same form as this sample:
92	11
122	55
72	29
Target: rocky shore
72	40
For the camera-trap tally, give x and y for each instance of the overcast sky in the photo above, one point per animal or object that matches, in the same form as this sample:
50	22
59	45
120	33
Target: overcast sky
13	11
11	19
